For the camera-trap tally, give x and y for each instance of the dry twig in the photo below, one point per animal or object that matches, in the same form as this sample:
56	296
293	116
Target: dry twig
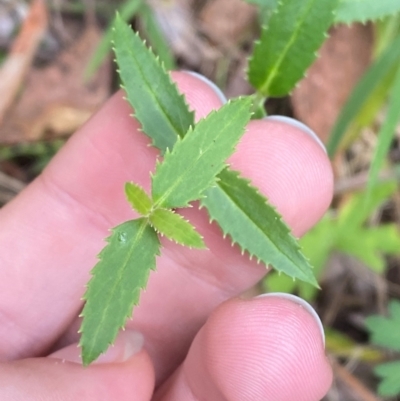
357	388
16	66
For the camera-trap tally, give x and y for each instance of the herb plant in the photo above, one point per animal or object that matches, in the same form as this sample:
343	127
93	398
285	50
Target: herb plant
192	166
385	332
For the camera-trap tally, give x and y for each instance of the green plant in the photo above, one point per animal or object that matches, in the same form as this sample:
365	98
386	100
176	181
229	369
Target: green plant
127	11
287	47
381	82
385	332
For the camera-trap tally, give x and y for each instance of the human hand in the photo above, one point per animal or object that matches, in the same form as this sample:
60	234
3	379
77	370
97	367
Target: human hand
200	343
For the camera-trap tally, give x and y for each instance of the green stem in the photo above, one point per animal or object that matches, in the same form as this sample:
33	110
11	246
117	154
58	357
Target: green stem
257	108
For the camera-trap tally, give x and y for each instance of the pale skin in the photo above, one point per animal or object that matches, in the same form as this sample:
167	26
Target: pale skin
202	340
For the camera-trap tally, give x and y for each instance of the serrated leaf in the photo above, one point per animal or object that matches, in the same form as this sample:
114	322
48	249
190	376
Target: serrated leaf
253	224
191	167
365	10
385	331
176	228
288	44
369	82
138	198
117	280
390	374
157	104
317	246
153	131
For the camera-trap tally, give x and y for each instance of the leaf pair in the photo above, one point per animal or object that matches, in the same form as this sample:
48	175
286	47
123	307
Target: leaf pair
189	169
124	266
193	168
173	121
163	221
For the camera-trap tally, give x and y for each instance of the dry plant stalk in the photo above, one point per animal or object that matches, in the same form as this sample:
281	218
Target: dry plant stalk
15	67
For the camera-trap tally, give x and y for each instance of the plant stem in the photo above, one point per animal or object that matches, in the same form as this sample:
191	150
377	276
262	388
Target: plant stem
257	108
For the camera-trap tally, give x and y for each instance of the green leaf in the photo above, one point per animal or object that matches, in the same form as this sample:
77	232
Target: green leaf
343	346
153	111
348	233
288	44
138	198
385	331
191	167
355	211
176	228
370	244
127	12
365	10
390	374
386	238
118	278
386	133
316	245
354	237
156	38
360	95
255	226
157	104
358	244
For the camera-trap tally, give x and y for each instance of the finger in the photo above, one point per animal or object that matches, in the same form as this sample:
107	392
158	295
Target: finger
293	171
83	190
262	349
123	373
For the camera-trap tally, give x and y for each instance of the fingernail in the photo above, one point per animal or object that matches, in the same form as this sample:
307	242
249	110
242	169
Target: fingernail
301	302
299	125
210	83
127	344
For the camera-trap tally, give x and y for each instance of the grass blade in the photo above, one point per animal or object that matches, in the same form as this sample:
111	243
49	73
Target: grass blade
368	83
156	38
127	11
386	133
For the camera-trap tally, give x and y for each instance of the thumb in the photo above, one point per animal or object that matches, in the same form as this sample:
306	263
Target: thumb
125	372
